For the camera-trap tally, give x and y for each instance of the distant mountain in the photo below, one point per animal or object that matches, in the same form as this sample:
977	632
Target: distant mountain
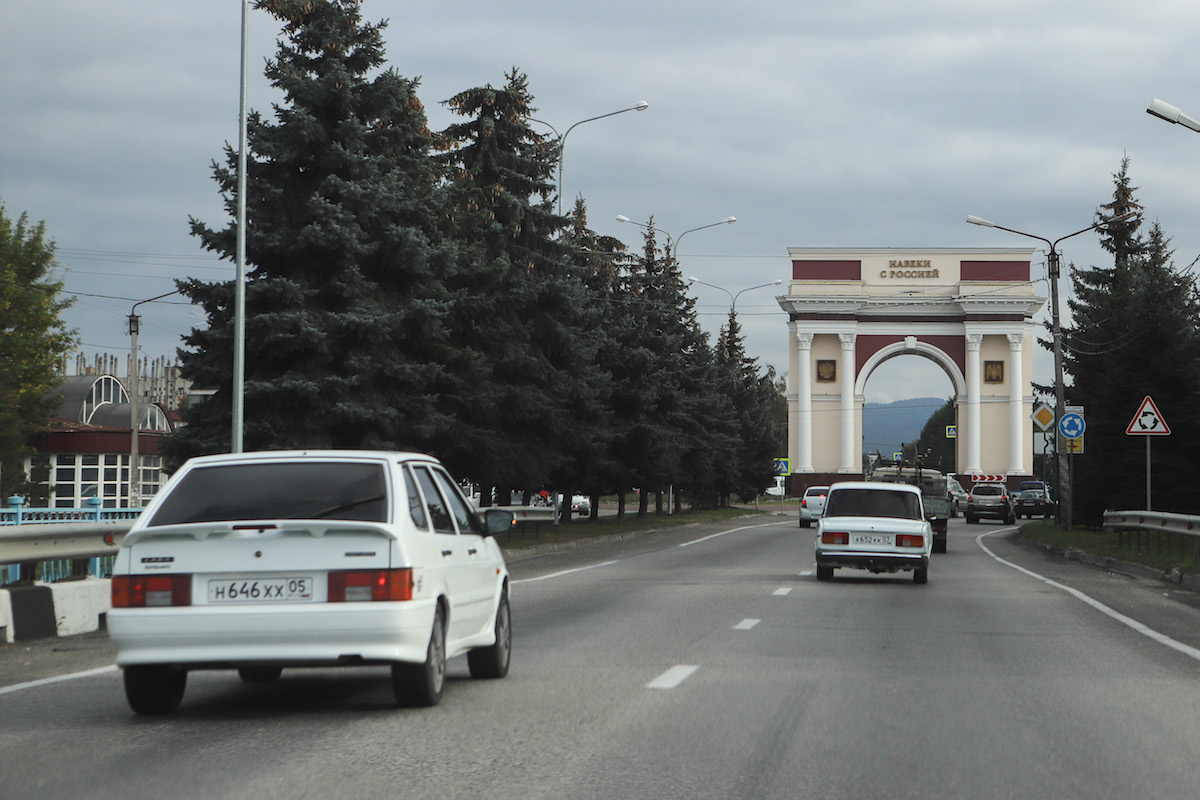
887	425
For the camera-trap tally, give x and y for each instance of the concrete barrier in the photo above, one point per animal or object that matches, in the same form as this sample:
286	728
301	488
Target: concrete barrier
53	609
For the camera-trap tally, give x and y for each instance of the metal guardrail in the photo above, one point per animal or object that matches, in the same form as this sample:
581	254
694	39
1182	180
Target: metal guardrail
1152	521
66	540
1180	531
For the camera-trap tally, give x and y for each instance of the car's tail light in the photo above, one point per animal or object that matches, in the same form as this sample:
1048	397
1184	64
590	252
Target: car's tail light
144	591
372	584
910	540
804	504
835	537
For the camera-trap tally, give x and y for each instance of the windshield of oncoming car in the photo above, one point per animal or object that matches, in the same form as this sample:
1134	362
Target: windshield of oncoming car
283	490
872	503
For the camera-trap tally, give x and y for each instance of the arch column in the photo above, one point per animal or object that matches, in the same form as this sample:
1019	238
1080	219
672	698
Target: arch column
974	412
851	458
1016	425
804	408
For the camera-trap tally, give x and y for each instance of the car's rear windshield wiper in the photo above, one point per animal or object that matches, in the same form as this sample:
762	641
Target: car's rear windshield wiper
340	507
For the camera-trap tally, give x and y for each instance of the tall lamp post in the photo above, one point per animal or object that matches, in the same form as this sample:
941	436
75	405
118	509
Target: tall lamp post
673	244
733	297
1062	470
640	105
239	300
1172	114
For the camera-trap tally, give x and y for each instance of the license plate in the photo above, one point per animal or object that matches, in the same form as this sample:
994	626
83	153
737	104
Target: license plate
260	590
870	538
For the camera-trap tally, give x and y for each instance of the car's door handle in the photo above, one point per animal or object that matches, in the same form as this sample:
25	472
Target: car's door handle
447	552
472	551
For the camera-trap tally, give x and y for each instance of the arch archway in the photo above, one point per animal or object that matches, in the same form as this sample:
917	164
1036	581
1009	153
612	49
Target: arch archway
970	311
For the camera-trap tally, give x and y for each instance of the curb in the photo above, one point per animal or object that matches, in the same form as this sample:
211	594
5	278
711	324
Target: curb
1131	568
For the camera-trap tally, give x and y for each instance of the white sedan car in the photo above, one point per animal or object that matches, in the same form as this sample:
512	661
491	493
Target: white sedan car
261	561
880	527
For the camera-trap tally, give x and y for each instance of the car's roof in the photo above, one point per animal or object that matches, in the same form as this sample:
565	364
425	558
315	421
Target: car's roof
816	489
307	455
892	487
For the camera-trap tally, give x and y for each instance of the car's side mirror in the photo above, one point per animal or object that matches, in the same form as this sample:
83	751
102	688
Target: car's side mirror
497	521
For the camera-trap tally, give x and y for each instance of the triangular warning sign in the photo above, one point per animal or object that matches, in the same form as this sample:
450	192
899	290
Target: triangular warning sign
1147	421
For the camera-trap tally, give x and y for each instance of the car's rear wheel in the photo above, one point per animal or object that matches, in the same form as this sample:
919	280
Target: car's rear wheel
259	674
921	575
824	573
492	662
154	688
422	684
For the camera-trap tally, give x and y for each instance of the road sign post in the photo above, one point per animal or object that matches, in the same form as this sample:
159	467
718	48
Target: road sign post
1148	422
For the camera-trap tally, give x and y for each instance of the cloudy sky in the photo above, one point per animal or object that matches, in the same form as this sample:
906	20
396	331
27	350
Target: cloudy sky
860	123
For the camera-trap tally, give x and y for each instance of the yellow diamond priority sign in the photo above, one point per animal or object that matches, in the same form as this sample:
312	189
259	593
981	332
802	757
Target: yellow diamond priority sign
1043	417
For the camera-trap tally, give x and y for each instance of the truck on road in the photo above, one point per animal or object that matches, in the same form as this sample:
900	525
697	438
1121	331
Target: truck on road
935	496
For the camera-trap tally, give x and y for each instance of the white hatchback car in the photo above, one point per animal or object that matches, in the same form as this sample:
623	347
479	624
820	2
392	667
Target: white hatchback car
261	561
880	527
812	504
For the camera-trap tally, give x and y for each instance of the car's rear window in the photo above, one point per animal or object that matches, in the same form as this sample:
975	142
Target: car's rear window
986	490
326	490
872	503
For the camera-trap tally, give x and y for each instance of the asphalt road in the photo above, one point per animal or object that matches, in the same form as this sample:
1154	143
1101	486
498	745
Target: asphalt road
706	662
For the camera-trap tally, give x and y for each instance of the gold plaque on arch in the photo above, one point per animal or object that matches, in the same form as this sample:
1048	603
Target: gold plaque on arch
826	370
993	372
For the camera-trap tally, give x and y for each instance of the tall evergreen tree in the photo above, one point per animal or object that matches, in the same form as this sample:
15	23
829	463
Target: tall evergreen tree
519	354
33	342
672	423
344	299
1134	332
752	399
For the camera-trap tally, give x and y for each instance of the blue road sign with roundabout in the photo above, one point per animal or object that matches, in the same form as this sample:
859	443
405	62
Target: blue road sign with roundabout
1072	425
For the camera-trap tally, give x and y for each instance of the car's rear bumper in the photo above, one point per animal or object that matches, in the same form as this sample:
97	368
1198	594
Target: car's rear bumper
873	561
999	512
308	634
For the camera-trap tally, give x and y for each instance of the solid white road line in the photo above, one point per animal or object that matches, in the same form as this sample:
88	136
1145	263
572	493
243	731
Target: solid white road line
726	533
672	677
16	687
566	572
1187	650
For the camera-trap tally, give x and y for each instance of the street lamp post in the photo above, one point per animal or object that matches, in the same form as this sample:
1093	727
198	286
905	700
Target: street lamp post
733	297
673	244
1062	468
640	105
1172	114
239	302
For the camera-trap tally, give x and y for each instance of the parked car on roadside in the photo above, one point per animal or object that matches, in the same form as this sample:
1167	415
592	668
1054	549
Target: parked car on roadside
1034	503
878	527
812	503
990	500
262	561
581	504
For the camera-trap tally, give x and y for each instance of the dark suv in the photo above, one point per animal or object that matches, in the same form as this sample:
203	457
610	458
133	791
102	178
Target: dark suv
990	500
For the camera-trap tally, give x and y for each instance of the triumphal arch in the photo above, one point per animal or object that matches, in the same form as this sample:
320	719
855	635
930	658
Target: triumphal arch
968	310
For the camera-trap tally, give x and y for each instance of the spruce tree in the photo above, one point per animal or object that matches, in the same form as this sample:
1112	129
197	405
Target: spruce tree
33	342
518	351
1134	332
752	398
345	302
